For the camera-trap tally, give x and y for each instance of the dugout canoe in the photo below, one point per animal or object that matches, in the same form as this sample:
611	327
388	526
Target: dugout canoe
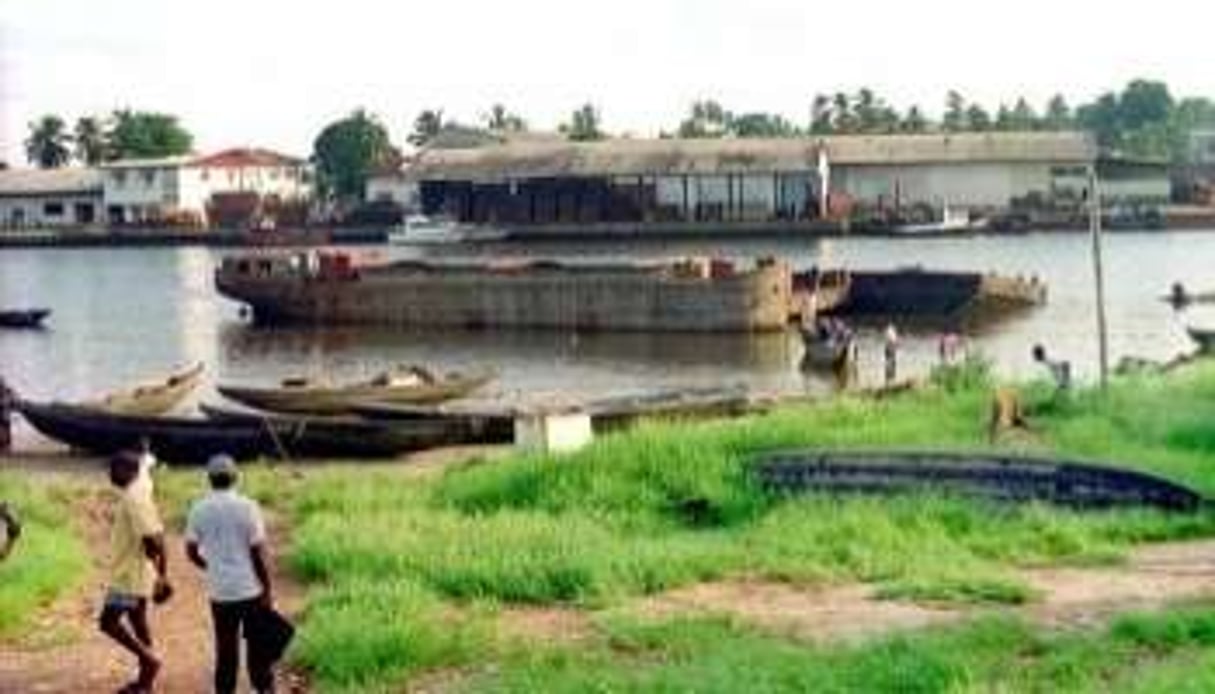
23	318
993	476
303	397
152	398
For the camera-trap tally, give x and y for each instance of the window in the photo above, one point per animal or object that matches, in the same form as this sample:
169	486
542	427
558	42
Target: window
120	178
205	175
52	209
149	177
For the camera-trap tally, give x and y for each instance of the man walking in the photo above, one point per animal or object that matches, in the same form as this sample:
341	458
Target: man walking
137	571
12	530
226	537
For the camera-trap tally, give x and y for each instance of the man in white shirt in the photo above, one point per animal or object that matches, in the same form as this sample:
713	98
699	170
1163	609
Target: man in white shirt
226	537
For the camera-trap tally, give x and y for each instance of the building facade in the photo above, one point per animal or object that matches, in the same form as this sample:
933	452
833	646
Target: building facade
42	198
743	181
187	190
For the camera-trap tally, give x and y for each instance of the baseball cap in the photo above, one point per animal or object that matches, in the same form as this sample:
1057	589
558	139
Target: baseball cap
221	464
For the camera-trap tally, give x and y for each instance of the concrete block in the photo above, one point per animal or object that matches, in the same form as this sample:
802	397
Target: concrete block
553	432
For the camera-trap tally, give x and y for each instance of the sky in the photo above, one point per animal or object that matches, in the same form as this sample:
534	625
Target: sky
272	73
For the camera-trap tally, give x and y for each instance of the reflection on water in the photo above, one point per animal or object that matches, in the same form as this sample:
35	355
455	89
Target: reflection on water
121	315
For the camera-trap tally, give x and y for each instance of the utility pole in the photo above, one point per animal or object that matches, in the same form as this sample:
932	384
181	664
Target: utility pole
1094	226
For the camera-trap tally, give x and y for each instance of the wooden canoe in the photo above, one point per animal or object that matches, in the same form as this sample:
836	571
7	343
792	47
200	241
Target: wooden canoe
23	318
1205	338
175	439
337	399
991	475
344	436
825	353
152	398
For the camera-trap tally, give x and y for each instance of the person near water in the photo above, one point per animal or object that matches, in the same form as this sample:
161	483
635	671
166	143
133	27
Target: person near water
226	538
890	352
11	528
1060	370
7	399
138	571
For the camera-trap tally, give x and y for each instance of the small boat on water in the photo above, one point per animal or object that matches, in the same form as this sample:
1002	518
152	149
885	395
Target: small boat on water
344	436
152	398
409	385
827	349
420	230
23	318
1205	337
175	439
953	221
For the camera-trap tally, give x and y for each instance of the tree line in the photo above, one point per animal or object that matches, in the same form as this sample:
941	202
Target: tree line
1142	119
124	134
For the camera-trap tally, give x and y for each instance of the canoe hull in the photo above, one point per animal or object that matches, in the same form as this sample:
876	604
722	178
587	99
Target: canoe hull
339	400
31	318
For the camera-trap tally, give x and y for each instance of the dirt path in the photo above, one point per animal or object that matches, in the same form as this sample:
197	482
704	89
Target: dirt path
88	662
1153	577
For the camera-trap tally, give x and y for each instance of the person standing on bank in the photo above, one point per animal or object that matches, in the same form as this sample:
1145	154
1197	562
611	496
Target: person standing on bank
226	538
7	399
138	571
890	350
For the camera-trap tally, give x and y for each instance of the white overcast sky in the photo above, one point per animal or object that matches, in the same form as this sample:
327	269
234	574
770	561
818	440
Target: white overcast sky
273	72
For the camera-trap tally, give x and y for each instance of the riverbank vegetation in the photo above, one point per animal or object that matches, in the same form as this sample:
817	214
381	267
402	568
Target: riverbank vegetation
415	574
49	559
412	574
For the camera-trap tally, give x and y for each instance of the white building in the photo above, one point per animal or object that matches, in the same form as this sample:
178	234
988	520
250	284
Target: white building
66	197
180	190
392	186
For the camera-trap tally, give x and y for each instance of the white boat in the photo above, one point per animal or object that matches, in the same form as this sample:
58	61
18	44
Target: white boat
420	229
952	220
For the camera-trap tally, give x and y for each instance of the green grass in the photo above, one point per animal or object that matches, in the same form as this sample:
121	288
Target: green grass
1141	653
48	560
671	504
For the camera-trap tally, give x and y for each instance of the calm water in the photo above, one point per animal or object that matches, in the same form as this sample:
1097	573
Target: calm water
121	315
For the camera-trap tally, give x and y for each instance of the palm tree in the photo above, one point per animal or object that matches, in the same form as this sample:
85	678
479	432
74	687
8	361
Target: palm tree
47	145
841	107
499	119
91	142
428	124
820	115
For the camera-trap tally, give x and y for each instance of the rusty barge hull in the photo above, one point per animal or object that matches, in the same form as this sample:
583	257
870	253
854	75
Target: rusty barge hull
539	296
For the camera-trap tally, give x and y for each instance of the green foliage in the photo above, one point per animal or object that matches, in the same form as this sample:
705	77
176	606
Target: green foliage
584	125
347	151
48	144
47	561
426	127
92	141
993	654
142	134
973	373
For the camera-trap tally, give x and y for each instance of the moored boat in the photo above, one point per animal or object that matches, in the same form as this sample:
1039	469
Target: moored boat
152	398
23	318
826	351
1205	337
413	385
175	439
345	436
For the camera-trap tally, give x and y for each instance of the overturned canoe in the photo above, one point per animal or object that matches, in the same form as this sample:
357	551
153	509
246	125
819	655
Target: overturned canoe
994	476
23	318
152	398
307	398
352	437
1204	337
175	439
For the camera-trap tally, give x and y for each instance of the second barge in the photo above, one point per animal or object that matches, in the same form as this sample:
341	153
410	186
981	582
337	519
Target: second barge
689	296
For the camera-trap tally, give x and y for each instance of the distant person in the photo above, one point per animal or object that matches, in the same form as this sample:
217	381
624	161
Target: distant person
143	483
1060	370
226	538
12	530
138	571
890	352
8	399
949	347
1178	296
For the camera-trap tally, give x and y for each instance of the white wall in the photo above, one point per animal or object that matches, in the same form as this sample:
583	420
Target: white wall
395	188
959	185
33	212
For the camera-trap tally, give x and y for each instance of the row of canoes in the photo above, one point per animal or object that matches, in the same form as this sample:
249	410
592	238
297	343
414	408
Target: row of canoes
298	419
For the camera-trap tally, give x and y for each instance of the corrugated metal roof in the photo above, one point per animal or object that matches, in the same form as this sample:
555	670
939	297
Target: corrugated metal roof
63	181
633	157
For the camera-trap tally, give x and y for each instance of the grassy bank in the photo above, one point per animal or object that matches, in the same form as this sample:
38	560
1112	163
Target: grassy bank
49	559
412	570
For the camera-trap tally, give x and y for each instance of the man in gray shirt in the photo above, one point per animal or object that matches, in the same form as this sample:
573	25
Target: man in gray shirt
226	537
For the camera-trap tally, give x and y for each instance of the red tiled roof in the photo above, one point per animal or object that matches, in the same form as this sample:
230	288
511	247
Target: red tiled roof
246	156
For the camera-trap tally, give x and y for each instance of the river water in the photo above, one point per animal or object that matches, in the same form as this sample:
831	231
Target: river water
122	315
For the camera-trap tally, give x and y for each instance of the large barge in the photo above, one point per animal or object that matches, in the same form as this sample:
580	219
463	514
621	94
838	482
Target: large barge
682	296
